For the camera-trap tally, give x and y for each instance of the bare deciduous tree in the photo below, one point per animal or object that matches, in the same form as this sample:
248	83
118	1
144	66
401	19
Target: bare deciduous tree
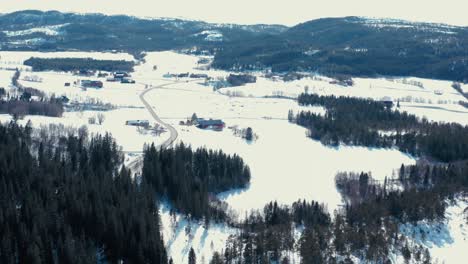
100	118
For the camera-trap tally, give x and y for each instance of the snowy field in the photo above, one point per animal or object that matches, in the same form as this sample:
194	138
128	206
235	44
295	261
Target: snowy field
128	137
5	79
417	90
435	100
285	164
115	93
438	113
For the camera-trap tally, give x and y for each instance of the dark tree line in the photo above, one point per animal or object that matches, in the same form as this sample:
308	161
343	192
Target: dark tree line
240	79
366	227
269	236
191	178
22	105
78	64
358	121
70	200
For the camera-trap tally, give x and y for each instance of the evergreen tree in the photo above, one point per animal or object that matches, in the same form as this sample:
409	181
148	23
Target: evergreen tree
192	258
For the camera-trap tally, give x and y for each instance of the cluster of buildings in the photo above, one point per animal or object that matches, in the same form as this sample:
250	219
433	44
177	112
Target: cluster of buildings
122	77
186	75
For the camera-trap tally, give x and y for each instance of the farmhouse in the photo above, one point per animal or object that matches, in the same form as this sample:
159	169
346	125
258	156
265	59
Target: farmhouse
121	75
140	123
127	80
85	73
198	75
387	102
91	84
215	124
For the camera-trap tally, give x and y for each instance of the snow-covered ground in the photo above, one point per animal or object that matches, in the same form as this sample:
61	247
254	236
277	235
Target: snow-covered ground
436	100
129	137
447	240
5	78
432	91
53	30
115	93
285	164
181	234
171	62
438	113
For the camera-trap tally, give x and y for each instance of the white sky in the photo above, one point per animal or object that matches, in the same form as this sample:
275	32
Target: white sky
288	12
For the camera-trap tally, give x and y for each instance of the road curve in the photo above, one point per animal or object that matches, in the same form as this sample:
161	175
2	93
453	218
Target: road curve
173	132
137	164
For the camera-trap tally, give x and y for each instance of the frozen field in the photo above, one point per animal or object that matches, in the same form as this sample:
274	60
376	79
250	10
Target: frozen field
128	137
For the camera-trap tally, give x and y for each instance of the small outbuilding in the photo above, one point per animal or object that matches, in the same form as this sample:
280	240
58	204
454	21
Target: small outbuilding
214	124
140	123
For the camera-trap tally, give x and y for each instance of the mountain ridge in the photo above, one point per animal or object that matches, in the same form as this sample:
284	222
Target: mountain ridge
350	45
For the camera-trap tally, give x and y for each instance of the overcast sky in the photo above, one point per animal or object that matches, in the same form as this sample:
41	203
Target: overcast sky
288	12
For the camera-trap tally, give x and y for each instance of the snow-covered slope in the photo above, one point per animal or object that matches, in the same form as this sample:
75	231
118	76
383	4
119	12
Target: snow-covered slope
447	240
52	30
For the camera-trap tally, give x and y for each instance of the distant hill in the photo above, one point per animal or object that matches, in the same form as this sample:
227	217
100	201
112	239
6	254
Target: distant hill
332	46
33	29
356	46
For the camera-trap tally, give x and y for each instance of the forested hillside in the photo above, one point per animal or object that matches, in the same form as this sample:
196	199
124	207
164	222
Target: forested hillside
102	32
331	46
191	178
356	46
364	122
366	228
67	199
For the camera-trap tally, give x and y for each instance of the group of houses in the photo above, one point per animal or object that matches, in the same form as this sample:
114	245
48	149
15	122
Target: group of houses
122	77
186	75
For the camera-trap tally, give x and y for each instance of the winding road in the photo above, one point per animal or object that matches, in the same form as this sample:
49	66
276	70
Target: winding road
173	132
136	165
